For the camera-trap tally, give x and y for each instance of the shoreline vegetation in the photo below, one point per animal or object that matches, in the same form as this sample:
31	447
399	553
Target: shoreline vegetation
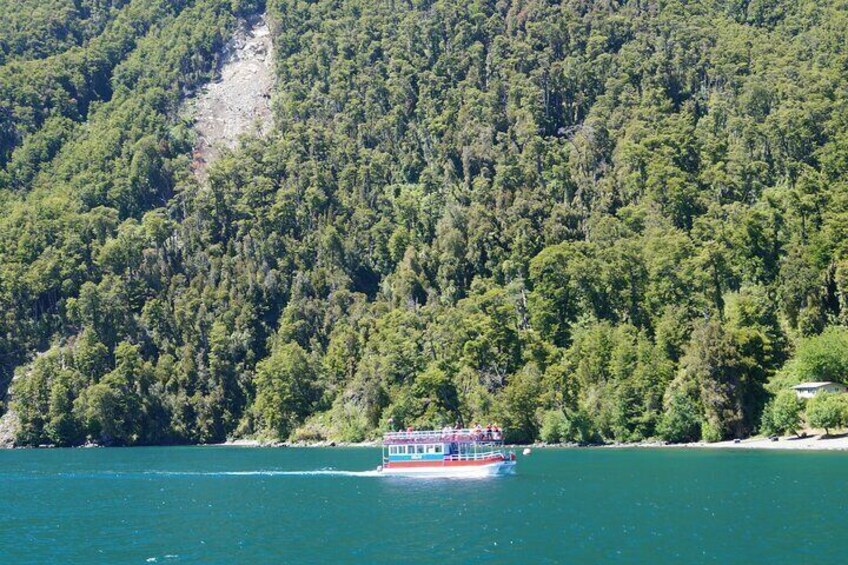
804	442
818	442
836	442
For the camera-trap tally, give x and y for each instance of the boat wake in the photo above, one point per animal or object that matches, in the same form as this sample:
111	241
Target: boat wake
213	474
319	472
119	475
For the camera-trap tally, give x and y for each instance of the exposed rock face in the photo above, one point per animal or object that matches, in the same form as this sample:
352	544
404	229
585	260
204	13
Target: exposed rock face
239	101
8	429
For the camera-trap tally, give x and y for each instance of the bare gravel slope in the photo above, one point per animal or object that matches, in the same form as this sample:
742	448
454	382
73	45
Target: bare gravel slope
239	101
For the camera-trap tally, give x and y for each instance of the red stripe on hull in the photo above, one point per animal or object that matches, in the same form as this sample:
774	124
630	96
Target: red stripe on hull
468	463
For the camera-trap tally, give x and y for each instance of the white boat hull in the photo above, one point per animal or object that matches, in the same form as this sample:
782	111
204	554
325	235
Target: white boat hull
453	471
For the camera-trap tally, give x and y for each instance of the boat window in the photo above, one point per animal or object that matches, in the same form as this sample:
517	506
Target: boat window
438	449
420	448
410	449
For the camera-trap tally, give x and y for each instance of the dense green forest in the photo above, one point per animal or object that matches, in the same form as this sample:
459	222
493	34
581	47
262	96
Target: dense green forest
586	221
36	29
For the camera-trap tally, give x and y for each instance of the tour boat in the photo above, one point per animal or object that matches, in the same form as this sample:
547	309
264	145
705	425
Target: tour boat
446	453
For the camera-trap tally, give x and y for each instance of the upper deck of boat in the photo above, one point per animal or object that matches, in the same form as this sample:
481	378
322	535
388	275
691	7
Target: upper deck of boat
447	435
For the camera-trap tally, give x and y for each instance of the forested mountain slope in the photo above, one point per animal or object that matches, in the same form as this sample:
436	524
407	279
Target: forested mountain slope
606	220
35	29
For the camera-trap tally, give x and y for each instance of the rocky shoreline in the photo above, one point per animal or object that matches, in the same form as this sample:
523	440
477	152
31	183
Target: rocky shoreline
324	443
786	443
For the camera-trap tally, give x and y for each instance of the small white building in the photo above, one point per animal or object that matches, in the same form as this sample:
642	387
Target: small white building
809	390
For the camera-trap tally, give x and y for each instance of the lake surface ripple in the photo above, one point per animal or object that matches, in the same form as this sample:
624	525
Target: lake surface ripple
243	505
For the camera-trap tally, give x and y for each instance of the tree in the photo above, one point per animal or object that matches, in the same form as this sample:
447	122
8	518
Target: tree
285	391
553	426
31	398
91	357
680	421
782	414
518	404
111	411
493	345
573	426
823	357
439	396
826	410
714	365
553	301
63	427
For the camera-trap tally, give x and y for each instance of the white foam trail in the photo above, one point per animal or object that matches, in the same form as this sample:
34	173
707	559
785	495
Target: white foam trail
320	472
261	473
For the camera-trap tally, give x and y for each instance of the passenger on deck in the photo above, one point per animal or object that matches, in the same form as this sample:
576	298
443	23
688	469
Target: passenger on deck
489	431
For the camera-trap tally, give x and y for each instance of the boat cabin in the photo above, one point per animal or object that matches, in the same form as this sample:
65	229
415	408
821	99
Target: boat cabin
439	446
418	452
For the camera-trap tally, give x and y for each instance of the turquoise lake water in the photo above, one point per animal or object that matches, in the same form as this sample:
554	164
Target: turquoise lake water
243	505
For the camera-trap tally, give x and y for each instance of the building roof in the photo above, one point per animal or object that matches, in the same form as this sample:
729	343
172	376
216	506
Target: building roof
815	385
